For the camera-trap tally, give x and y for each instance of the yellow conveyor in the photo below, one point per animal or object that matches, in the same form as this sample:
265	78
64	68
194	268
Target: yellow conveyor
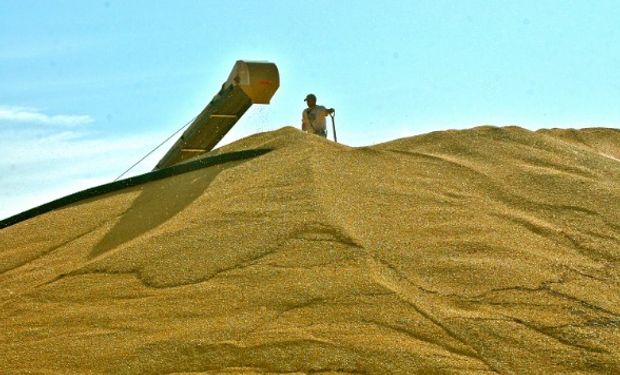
250	82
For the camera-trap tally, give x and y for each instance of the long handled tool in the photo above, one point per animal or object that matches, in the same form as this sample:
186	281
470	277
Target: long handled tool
332	115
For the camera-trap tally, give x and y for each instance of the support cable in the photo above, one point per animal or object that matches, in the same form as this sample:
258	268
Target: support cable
153	150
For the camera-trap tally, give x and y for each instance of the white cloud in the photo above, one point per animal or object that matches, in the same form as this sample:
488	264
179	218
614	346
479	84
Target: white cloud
34	116
40	164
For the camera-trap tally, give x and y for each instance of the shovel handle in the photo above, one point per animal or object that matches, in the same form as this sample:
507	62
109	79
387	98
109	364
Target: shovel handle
332	115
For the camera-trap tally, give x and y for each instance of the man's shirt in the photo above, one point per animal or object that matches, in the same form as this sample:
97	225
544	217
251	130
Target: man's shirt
313	119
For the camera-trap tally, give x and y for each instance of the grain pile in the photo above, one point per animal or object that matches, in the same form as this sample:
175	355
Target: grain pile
483	250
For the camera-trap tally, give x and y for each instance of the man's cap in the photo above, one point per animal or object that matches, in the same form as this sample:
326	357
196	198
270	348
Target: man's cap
310	96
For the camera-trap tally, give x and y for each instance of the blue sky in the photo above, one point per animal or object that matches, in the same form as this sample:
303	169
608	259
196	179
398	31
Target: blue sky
88	87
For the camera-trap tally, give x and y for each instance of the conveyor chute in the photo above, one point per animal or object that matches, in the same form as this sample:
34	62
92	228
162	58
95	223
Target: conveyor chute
249	82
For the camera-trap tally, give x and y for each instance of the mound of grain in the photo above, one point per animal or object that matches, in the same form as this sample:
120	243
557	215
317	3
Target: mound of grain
489	249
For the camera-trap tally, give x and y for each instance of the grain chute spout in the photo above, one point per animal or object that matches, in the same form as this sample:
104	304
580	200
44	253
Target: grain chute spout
250	82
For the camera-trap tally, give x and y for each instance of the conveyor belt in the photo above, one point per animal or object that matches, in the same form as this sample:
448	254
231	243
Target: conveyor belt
248	83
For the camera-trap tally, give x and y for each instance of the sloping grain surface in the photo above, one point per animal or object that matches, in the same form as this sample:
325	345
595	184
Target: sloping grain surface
483	250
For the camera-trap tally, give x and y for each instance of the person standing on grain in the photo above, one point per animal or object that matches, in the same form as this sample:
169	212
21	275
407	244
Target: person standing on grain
313	117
